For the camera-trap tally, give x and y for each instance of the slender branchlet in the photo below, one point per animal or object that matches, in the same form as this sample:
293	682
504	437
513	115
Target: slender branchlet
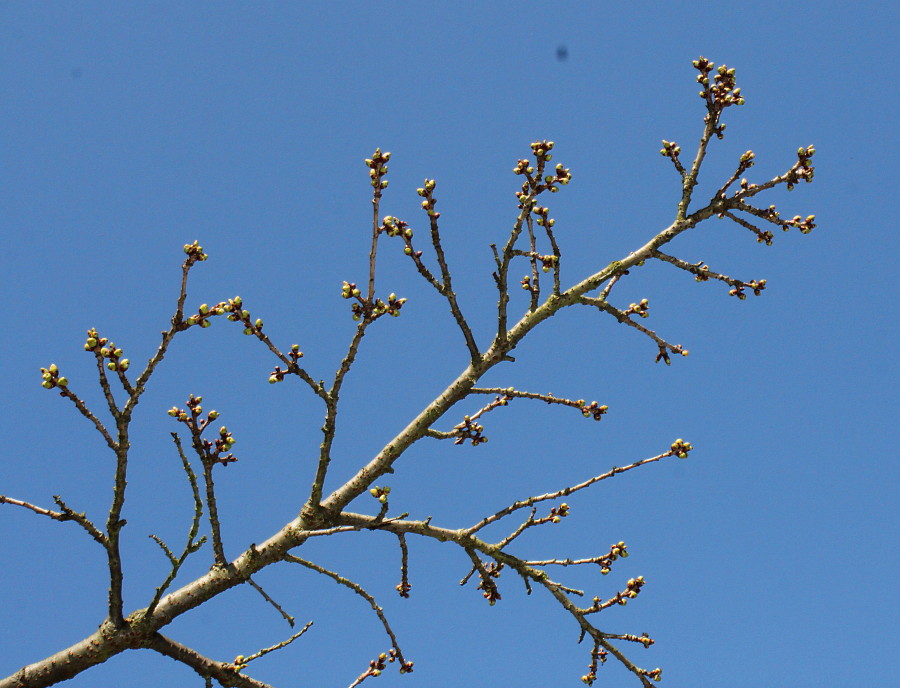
405	666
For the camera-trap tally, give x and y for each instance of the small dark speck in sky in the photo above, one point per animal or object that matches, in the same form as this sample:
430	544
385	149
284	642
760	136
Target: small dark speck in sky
562	53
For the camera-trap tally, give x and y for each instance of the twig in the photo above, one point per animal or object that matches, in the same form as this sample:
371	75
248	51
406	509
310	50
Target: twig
566	491
359	590
287	617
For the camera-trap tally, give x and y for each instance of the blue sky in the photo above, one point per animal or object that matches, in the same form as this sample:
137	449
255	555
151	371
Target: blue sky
130	129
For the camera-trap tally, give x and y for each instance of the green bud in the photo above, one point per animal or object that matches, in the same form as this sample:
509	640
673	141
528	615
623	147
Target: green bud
213	415
205	323
63	382
259	323
245	314
111	365
204	309
124	363
248	330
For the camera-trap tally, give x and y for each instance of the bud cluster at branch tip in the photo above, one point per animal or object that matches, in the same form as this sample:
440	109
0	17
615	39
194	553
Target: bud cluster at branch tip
194	253
536	181
105	349
680	448
376	666
362	308
378	168
592	409
50	378
380	493
215	451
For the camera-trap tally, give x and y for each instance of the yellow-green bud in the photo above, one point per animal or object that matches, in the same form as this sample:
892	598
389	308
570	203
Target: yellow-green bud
124	363
46	384
63	382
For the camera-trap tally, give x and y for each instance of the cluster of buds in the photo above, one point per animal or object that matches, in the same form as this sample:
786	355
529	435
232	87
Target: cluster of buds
403	588
592	409
195	406
106	349
670	149
701	273
598	654
378	168
349	290
757	288
380	493
194	253
642	308
747	186
278	374
804	169
542	212
805	225
392	307
654	674
240	663
376	666
427	192
491	591
469	430
362	308
680	448
722	93
50	378
548	262
205	312
632	588
558	513
663	354
215	450
393	226
535	179
620	549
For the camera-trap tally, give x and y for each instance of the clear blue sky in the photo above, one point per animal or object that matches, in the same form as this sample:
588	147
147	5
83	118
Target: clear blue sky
130	129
